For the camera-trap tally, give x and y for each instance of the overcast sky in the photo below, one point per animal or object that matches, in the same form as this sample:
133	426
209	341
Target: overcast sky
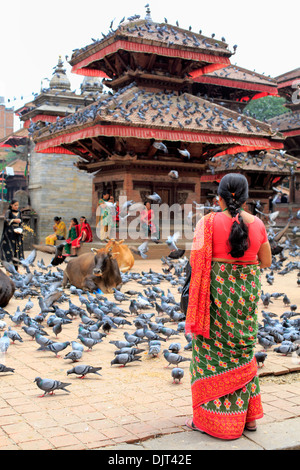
33	33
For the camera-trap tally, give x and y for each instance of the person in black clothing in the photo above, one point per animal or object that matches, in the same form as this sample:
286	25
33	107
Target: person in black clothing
11	244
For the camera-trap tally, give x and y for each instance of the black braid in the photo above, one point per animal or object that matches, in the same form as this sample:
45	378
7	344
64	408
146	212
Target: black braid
233	188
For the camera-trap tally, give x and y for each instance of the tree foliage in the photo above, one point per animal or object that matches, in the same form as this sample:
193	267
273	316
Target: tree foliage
266	107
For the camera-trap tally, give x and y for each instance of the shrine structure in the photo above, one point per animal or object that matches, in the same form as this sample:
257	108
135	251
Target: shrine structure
56	187
152	121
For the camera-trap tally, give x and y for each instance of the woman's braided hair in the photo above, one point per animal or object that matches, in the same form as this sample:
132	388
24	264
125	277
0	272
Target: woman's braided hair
233	188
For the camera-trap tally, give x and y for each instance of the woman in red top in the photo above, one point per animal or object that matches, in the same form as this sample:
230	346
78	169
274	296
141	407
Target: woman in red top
147	220
229	248
85	235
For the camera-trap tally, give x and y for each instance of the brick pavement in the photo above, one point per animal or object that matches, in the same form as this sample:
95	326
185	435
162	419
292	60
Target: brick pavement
124	405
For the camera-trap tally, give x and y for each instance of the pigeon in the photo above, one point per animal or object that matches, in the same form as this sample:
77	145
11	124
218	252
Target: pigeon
177	374
17	317
265	342
175	347
42	341
133	339
132	351
27	261
77	346
29	305
142	250
31	331
173	358
122	344
57	347
88	342
119	296
286	348
49	385
154	348
150	335
171	241
123	359
4	342
155	198
160	146
57	328
173	174
14	335
184	153
3	368
83	370
260	357
168	331
74	355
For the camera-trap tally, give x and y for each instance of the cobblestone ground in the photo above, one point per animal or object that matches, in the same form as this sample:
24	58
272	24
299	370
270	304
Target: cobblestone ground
124	404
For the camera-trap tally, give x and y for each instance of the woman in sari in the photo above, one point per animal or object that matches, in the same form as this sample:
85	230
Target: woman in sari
85	235
229	248
60	231
11	245
73	233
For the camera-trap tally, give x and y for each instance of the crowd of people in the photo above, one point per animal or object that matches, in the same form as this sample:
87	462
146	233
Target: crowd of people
11	243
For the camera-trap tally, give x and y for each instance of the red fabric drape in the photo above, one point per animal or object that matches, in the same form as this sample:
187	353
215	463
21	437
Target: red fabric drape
198	313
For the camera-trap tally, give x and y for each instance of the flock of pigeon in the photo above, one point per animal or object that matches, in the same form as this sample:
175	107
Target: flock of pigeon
158	31
153	314
282	331
96	316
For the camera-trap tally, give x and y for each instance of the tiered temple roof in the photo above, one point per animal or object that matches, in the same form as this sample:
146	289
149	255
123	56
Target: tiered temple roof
146	47
155	119
153	67
234	86
135	113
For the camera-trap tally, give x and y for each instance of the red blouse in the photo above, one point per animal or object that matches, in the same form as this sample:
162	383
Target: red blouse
221	230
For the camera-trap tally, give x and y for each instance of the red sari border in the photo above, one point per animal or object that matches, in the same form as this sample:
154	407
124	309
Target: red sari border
227	425
209	388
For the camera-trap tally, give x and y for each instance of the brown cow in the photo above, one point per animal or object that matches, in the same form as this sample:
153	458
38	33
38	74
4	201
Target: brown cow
7	289
92	271
122	254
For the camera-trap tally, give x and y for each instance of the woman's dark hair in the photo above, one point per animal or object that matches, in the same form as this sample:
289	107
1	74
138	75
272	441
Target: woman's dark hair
12	202
233	188
75	220
57	219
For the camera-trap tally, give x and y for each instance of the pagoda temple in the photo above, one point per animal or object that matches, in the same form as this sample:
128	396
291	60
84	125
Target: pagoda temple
56	186
289	123
152	122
